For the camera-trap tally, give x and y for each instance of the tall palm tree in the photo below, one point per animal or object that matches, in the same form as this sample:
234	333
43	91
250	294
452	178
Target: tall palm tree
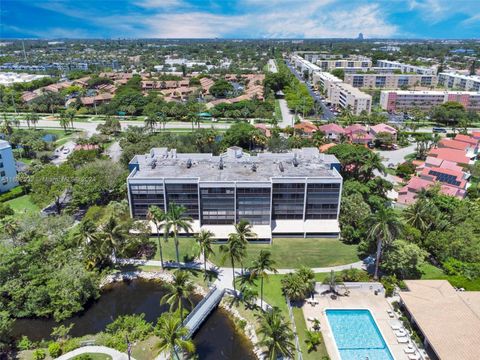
158	217
178	291
277	335
64	121
205	241
172	336
244	231
371	163
151	122
175	222
7	127
260	267
418	215
384	227
235	249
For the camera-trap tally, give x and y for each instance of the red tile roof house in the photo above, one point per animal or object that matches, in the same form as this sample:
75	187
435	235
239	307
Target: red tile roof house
306	128
476	135
384	128
263	128
431	162
446	176
469	149
358	134
332	131
453	155
407	195
468	139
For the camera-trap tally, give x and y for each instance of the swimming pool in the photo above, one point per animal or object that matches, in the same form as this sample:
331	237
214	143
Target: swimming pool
357	335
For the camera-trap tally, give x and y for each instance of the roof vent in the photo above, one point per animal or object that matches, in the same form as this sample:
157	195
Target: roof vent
280	166
295	161
254	167
220	164
189	163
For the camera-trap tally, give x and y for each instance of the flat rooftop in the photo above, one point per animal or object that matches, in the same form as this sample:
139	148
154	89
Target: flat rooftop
234	165
449	319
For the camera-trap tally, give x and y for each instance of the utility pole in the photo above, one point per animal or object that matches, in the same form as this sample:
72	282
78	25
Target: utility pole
24	53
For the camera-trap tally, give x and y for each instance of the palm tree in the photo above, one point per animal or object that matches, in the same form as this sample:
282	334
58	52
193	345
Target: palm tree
151	122
6	128
64	121
260	267
114	235
205	241
277	335
244	232
418	215
384	227
158	217
176	222
371	163
235	249
312	340
179	290
172	336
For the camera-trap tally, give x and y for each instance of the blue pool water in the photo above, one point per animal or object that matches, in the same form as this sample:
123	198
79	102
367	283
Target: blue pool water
357	335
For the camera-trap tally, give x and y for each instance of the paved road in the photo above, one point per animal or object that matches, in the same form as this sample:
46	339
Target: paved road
327	113
272	66
60	152
114	151
287	116
115	354
396	156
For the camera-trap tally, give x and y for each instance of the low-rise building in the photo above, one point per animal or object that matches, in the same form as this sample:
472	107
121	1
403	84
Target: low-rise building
390	81
8	168
359	62
332	131
285	194
459	81
384	128
406	68
392	100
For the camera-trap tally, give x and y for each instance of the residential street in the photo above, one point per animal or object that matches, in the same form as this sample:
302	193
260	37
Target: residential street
396	156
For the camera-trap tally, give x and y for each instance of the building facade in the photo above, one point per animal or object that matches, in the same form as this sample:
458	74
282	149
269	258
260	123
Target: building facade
390	81
406	68
459	81
287	194
393	100
354	62
8	168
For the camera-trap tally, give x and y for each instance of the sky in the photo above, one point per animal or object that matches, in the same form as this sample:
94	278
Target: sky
239	18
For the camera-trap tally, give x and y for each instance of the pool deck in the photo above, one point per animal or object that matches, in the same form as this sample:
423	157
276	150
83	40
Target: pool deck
360	297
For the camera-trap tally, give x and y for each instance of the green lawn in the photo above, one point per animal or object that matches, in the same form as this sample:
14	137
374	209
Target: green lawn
294	252
301	327
23	204
94	356
278	111
431	272
186	248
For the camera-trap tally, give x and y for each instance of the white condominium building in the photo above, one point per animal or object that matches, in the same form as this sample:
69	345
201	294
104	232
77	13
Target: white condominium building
390	81
392	100
459	81
406	68
327	65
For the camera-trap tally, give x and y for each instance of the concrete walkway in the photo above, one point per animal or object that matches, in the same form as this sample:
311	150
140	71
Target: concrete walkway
115	354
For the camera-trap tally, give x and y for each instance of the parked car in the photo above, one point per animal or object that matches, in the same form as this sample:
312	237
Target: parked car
439	130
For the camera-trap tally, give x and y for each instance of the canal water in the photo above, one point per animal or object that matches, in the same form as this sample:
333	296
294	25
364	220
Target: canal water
216	339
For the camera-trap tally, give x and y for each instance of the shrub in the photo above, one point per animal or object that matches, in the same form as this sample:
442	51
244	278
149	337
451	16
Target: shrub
39	354
25	343
12	194
354	275
70	344
54	349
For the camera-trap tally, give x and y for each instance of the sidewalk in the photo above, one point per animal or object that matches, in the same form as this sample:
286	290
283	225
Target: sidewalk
115	354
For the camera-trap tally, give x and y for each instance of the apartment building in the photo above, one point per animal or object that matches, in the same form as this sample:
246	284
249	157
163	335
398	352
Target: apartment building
392	100
8	169
390	81
342	94
406	68
371	70
288	194
302	64
459	81
358	62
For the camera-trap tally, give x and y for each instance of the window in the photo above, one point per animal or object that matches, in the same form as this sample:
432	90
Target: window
144	196
253	204
218	205
322	201
185	195
288	201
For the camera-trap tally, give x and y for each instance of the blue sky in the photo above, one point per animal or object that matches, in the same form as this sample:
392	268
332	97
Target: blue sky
239	18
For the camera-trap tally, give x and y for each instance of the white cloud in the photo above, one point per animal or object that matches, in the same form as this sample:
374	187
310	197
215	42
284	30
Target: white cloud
159	4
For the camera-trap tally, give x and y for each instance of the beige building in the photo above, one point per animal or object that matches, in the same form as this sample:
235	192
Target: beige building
390	81
393	100
449	320
330	64
406	68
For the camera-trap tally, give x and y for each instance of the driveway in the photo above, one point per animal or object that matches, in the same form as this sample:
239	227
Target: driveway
396	156
62	152
287	116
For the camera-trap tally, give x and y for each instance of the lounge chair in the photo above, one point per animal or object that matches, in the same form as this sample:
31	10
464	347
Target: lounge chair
400	333
310	318
409	350
402	339
391	313
396	326
415	356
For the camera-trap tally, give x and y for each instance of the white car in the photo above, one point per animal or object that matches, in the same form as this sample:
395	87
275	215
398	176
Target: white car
66	151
